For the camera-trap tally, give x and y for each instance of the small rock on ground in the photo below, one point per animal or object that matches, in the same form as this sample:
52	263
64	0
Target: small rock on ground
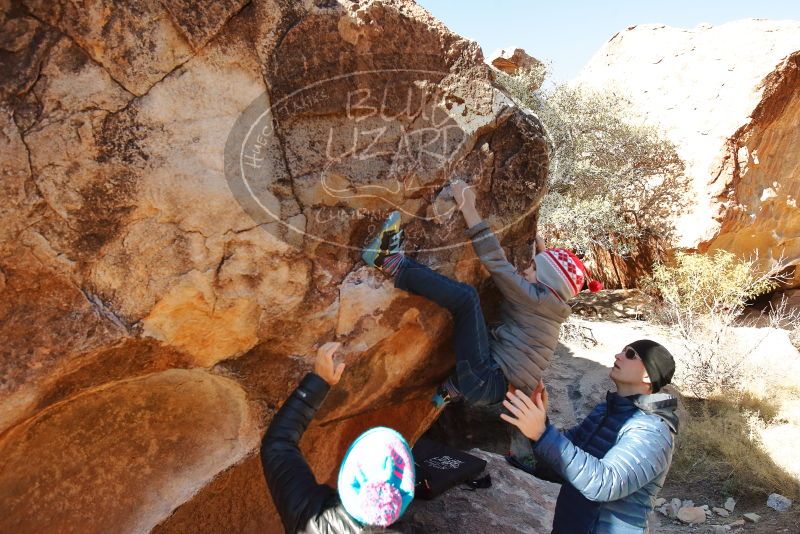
730	504
692	514
673	507
751	517
779	502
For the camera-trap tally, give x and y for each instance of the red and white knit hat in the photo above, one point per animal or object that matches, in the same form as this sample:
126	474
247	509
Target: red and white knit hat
563	272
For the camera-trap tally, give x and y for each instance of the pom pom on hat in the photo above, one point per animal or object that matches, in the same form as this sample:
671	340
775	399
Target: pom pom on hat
595	285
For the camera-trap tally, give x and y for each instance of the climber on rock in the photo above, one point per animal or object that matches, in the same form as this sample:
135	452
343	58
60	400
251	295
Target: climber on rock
613	463
519	349
376	477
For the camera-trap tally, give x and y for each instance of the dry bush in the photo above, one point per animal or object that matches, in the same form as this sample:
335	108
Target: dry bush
711	361
782	316
703	296
717	284
719	446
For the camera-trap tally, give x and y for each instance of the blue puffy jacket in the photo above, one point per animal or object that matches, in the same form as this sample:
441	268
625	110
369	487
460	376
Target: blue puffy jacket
613	464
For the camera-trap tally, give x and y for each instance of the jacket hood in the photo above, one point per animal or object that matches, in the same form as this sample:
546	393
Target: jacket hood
661	404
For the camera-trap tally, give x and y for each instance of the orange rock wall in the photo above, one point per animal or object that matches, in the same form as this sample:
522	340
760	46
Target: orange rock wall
762	169
184	191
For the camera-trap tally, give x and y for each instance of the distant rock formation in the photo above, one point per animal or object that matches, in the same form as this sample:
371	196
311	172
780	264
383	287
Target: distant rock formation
729	98
510	60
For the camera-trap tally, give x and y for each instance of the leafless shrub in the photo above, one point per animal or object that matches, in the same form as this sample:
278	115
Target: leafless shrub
703	297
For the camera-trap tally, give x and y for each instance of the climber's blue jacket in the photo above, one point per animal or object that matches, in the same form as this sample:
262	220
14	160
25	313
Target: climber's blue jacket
612	464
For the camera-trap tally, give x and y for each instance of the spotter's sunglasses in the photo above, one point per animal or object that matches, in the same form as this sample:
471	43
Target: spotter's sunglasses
630	353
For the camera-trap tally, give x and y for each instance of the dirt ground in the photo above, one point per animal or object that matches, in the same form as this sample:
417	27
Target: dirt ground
771	521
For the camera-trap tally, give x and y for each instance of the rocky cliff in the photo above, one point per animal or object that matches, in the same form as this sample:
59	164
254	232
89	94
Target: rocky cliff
185	187
728	97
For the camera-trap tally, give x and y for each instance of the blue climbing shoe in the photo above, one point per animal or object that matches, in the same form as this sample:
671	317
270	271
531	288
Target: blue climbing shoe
388	241
444	396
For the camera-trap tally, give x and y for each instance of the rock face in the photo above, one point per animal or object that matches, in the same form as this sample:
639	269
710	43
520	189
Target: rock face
516	502
185	189
613	304
729	98
196	423
625	272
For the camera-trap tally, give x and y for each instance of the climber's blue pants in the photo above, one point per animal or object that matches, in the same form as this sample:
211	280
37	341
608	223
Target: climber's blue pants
477	375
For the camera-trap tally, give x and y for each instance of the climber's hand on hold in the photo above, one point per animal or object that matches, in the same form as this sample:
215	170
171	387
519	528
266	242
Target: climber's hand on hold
325	366
464	195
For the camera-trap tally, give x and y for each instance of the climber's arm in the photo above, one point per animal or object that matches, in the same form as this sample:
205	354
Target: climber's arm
514	287
294	489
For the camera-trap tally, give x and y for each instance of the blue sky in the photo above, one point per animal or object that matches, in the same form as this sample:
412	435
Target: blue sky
568	33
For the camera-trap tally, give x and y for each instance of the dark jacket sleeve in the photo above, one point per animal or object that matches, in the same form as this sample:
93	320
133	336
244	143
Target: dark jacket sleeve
294	490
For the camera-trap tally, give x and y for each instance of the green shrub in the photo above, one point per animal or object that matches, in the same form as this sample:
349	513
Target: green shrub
713	283
611	180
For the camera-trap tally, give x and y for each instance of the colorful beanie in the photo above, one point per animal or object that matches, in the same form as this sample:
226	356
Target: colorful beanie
377	476
563	272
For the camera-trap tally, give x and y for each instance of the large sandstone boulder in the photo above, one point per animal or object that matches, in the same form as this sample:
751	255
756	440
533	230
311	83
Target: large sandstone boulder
729	98
185	187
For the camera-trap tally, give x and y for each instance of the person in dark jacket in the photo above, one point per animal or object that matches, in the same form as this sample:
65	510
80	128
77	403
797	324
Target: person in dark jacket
376	478
613	464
